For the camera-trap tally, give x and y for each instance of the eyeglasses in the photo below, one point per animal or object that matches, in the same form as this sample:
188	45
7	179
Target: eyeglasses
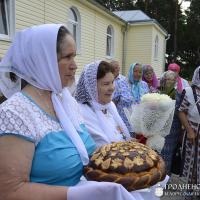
170	79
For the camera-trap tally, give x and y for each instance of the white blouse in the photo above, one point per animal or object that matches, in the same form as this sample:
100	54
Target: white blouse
193	113
95	129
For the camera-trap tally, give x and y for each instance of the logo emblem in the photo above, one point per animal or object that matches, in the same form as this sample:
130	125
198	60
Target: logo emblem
159	191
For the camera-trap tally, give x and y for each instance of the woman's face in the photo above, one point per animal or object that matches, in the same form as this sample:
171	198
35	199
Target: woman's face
66	63
170	81
137	72
148	75
116	69
105	88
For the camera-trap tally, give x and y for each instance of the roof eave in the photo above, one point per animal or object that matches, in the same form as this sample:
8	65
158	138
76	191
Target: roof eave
98	5
149	21
106	10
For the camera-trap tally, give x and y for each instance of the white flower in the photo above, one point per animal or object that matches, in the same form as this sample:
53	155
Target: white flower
153	118
155	97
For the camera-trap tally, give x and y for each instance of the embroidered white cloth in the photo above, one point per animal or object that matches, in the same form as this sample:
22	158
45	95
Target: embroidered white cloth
87	190
143	194
33	57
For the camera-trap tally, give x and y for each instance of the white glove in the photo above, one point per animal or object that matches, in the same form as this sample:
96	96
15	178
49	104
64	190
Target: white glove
89	190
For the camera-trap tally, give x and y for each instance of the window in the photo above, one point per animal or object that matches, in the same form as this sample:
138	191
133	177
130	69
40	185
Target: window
110	41
156	48
74	25
7	19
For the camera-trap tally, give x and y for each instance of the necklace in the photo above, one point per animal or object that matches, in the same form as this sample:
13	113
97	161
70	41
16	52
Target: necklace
104	111
120	130
44	99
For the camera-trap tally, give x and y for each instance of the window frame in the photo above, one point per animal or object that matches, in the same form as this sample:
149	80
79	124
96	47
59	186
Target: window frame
111	37
10	20
156	47
77	25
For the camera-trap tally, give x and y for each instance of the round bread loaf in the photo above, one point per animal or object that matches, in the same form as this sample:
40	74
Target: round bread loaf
132	164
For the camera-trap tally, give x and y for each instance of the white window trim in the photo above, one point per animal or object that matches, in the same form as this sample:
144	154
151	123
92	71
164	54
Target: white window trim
112	42
156	44
78	30
10	22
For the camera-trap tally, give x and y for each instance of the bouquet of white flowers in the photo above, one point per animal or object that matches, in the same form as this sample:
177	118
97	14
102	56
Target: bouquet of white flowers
152	118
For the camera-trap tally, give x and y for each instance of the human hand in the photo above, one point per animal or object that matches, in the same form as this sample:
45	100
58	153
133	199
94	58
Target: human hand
99	191
133	140
141	138
191	135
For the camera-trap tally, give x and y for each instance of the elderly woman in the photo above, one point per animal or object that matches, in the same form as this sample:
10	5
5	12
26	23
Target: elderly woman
181	83
149	76
137	86
94	93
189	114
122	95
167	83
43	141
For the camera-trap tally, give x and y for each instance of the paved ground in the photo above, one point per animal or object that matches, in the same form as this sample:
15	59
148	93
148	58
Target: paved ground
174	194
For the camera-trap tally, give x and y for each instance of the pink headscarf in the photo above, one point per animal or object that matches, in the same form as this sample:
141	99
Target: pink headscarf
176	68
154	82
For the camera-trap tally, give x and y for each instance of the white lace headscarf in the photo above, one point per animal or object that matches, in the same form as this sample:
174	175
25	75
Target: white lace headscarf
86	92
196	77
33	57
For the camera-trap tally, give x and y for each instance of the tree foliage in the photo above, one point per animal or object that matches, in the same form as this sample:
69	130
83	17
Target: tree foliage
114	5
184	43
190	45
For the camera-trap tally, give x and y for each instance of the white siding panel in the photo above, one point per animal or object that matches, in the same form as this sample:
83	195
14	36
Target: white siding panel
29	13
139	45
94	23
4	45
158	64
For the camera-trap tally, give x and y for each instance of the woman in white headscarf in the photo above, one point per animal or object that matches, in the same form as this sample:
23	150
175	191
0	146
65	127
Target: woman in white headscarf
94	93
43	141
189	114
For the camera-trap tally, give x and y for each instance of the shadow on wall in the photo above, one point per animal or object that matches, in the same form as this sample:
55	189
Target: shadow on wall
2	98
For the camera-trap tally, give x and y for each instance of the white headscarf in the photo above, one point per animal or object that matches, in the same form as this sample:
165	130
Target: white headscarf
33	57
196	77
86	92
7	86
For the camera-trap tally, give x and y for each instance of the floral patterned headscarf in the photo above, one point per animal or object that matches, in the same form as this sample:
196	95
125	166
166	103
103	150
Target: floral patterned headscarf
86	90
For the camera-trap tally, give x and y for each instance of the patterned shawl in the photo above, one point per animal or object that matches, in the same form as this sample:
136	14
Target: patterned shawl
86	92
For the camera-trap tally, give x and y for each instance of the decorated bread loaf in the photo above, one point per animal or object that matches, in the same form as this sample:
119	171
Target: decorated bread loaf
132	164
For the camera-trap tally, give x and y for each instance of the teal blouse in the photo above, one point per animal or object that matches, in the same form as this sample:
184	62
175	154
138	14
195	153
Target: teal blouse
56	160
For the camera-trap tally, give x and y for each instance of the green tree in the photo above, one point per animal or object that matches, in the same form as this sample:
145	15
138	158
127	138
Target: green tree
169	14
114	5
190	45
